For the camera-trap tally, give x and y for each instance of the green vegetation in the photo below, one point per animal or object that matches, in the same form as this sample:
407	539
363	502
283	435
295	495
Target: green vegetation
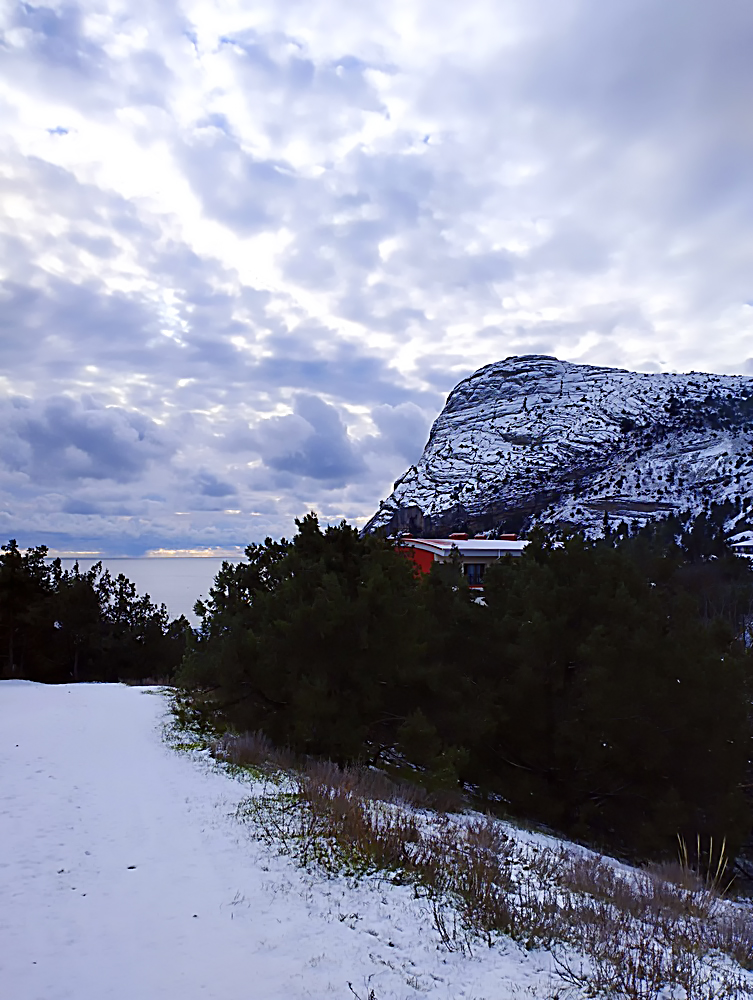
61	625
602	689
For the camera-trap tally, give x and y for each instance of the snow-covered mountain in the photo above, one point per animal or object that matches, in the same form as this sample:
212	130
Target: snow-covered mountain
532	439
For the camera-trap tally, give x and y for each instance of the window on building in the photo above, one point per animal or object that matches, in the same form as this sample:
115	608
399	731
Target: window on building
475	573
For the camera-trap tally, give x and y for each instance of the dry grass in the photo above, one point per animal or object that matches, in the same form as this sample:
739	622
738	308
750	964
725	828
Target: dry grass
663	933
256	752
253	751
640	934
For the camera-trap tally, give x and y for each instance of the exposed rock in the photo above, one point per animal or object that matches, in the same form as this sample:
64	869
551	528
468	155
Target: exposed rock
535	440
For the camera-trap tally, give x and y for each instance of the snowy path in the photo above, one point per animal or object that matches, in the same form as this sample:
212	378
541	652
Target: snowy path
124	877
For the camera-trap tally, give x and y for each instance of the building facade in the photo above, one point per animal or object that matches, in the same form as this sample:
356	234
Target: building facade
474	554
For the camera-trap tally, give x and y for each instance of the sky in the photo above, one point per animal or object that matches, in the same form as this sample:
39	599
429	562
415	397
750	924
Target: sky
248	249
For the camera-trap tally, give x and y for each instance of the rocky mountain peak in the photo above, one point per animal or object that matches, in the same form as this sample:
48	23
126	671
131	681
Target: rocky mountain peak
533	439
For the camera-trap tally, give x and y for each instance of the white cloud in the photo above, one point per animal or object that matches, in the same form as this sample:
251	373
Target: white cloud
218	216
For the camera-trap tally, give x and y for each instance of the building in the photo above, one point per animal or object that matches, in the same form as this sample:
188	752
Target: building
743	546
475	554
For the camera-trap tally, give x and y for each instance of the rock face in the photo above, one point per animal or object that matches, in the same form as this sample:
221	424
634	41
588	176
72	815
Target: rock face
535	440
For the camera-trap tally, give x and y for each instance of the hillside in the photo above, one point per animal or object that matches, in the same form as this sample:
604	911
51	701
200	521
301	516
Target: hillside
136	871
533	439
128	875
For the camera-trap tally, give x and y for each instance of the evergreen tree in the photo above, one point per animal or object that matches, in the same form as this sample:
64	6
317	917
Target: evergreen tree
60	625
313	640
621	713
600	687
25	586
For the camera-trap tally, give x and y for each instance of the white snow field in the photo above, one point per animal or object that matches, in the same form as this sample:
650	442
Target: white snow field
125	876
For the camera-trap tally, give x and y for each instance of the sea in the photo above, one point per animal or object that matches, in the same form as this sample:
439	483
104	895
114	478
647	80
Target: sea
176	581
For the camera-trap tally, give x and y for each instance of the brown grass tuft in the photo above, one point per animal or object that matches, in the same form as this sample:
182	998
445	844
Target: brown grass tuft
641	934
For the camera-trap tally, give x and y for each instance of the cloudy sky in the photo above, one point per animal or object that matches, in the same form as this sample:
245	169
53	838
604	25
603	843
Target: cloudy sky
249	247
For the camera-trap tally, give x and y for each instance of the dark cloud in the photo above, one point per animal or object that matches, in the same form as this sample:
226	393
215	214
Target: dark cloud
210	486
64	326
63	439
77	506
346	217
311	357
327	252
404	430
311	442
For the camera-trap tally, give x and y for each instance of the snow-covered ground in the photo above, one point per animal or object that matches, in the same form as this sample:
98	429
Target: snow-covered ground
125	876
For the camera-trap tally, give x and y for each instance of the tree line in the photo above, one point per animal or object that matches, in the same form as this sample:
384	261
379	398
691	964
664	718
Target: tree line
602	687
59	625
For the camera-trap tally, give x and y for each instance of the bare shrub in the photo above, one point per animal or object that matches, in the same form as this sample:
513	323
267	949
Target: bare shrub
256	751
253	750
641	936
452	933
590	874
732	934
676	874
635	971
368	783
323	820
635	966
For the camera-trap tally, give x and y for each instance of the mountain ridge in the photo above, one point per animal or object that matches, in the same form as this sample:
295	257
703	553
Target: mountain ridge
535	440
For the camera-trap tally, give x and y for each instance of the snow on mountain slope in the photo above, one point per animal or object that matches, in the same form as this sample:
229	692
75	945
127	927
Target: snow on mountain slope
534	439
